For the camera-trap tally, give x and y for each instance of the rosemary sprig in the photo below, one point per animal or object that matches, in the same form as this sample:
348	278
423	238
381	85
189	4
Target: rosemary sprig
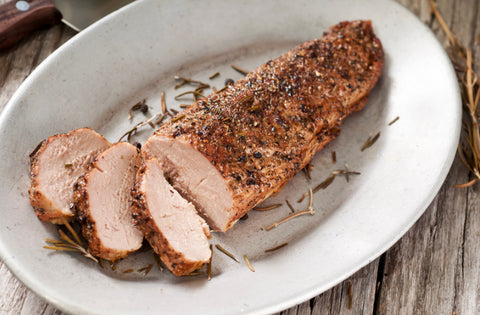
131	132
67	244
469	81
309	210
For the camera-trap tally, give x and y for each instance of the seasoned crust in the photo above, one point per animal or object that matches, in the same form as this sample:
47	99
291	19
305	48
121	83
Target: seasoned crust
259	132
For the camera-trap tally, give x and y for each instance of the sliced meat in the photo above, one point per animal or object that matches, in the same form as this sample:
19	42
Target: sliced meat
104	203
55	167
169	222
233	149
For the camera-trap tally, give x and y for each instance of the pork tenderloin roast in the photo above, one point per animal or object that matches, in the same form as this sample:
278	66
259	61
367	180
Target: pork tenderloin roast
233	149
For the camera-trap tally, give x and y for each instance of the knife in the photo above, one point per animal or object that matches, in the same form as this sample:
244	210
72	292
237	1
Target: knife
20	18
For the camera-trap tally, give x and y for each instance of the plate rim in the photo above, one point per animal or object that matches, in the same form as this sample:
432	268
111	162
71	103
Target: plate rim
38	288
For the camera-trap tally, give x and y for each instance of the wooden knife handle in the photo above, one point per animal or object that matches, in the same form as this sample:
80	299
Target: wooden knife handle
20	18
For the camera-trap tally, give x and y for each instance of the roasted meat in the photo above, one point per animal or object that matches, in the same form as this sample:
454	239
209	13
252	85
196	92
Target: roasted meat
233	149
103	202
55	167
169	222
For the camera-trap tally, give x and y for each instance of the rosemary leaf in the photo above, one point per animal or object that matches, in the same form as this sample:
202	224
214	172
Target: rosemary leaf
71	230
240	70
226	252
61	248
292	209
177	118
194	92
370	141
247	261
146	269
393	121
275	248
214	75
325	183
266	208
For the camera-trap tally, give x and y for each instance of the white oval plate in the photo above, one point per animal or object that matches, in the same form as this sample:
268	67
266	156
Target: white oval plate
133	54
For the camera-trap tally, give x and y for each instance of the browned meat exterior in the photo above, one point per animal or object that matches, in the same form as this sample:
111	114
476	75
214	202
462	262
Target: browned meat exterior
235	148
55	167
169	222
104	203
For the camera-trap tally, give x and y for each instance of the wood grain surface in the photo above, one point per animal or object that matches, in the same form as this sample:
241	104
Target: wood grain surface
433	269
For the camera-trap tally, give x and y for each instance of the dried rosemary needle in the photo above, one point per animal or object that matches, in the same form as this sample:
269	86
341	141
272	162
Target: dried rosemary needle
67	244
370	141
240	70
275	248
249	265
394	121
309	210
468	150
226	252
266	208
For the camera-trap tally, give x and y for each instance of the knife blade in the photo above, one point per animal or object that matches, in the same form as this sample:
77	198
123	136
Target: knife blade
19	18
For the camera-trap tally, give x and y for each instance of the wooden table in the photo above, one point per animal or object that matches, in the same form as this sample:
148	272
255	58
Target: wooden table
433	269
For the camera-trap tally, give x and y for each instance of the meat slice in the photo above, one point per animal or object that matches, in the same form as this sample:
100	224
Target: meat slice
233	149
55	167
104	203
169	222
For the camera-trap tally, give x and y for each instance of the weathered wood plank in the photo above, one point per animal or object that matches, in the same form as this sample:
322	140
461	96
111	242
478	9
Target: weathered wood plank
337	299
426	271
